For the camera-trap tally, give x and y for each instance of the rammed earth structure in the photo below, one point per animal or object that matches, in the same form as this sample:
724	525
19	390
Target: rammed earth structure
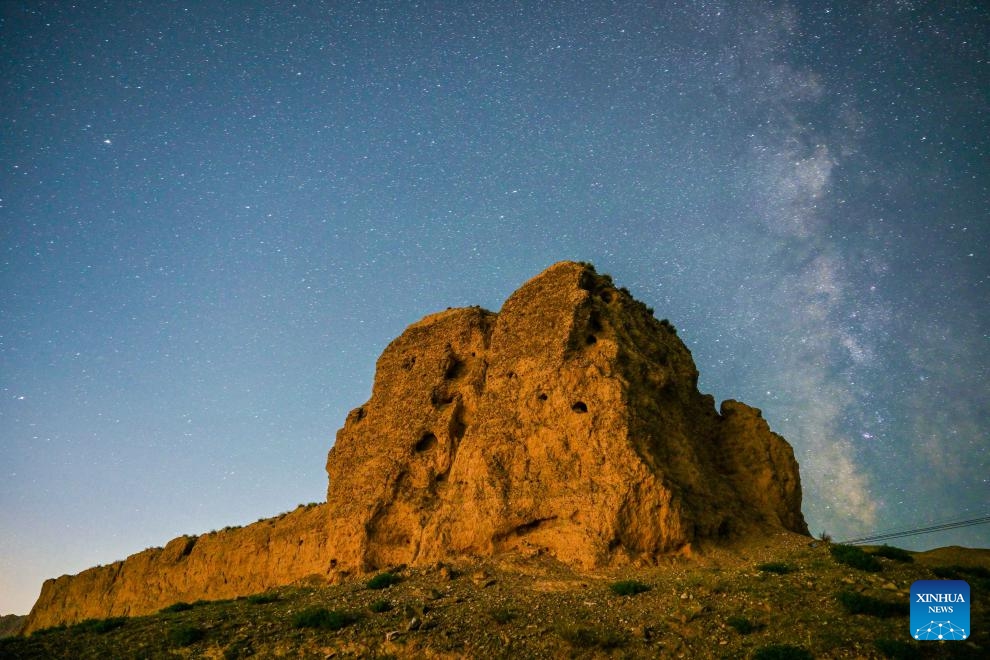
568	425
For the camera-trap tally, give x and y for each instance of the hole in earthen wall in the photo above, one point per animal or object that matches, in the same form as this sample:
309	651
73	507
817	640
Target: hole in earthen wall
542	396
591	339
606	296
440	398
457	427
454	369
427	442
580	407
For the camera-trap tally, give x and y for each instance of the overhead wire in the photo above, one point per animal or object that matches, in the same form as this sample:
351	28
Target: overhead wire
936	527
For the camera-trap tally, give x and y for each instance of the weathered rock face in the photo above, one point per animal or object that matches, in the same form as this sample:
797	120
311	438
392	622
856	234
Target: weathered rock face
568	424
226	564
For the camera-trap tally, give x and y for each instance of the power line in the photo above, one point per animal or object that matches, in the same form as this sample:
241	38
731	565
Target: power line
938	527
898	531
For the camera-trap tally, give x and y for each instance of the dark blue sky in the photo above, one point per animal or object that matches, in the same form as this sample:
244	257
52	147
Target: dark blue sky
214	216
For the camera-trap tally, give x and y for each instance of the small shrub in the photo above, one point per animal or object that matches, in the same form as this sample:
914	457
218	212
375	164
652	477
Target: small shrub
177	607
321	617
586	637
185	635
777	567
380	606
502	615
855	603
896	649
782	652
99	626
855	557
825	537
628	587
263	598
742	625
890	552
383	580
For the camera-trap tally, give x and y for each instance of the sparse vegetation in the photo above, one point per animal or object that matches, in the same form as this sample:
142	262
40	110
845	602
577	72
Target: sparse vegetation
855	557
628	587
890	552
177	607
742	625
856	603
961	572
780	568
240	648
263	598
321	617
99	626
185	635
898	650
502	615
782	652
447	614
383	580
589	637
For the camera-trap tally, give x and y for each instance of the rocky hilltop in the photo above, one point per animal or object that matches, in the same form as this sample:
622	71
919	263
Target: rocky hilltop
569	425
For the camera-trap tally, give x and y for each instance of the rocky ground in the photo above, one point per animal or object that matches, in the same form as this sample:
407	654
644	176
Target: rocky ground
785	597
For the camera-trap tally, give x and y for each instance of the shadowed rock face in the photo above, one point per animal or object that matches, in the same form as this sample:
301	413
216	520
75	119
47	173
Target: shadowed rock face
568	424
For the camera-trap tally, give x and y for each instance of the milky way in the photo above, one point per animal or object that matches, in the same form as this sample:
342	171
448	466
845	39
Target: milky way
214	217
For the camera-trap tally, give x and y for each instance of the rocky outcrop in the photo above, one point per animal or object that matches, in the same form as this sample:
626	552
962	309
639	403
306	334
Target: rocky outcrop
225	564
569	424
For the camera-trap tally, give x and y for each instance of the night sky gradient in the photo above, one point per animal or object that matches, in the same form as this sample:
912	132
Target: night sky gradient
215	215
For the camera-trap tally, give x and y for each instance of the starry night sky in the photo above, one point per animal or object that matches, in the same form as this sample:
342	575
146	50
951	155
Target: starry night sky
214	216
